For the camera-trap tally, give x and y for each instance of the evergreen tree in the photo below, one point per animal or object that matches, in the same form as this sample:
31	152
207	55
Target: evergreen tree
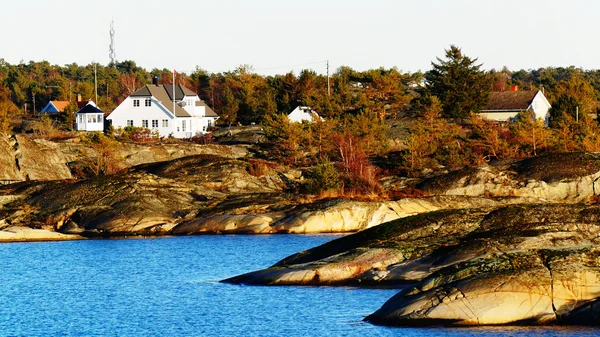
459	84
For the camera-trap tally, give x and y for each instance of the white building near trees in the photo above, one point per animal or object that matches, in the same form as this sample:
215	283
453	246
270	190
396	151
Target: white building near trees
505	105
303	113
89	118
151	107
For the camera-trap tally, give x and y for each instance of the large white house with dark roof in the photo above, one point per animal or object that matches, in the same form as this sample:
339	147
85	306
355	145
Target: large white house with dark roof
151	107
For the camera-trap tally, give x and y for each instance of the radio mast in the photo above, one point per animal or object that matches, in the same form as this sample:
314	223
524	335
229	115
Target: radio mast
112	54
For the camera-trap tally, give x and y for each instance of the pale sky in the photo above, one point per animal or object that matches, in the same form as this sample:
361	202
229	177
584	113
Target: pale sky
277	36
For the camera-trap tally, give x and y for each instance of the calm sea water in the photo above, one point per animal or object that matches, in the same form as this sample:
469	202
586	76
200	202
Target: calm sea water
169	287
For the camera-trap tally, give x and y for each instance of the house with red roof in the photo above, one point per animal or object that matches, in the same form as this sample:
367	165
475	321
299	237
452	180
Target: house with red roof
55	107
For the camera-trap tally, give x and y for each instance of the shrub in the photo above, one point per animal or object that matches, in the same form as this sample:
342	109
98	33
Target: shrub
203	139
258	168
103	159
323	177
137	135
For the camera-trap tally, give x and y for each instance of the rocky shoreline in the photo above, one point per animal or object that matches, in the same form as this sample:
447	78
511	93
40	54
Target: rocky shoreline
508	243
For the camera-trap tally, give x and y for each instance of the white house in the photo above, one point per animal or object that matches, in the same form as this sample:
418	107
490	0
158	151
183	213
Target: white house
505	105
303	113
152	107
89	118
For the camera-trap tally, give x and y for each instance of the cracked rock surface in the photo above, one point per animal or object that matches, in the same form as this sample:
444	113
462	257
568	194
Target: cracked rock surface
514	264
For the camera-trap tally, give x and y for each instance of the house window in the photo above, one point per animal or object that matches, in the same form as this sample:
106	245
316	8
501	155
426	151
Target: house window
129	122
155	123
209	123
165	123
148	102
203	128
99	118
136	102
91	118
80	119
183	126
144	123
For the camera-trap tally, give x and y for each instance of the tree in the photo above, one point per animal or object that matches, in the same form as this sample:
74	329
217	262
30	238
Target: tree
286	137
575	94
490	140
459	84
530	133
433	141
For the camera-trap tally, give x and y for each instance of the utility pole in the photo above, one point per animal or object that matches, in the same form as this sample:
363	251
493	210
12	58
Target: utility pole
96	83
577	114
328	87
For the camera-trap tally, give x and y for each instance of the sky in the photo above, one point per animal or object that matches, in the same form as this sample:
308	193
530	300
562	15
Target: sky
279	36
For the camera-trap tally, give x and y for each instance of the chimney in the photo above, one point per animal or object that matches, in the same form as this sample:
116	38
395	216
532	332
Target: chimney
78	97
155	80
514	88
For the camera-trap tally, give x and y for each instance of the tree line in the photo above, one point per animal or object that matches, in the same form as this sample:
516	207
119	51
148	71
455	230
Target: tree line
243	96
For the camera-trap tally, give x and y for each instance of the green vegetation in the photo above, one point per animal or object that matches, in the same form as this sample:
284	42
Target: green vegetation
434	110
461	86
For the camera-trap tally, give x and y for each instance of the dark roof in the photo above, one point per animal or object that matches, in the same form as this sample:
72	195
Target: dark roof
208	112
89	109
510	100
161	93
180	91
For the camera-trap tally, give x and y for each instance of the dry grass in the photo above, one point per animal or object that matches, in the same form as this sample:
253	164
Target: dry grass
259	168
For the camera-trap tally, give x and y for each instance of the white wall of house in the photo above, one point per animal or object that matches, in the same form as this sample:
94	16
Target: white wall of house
302	113
157	117
153	116
499	116
541	107
89	122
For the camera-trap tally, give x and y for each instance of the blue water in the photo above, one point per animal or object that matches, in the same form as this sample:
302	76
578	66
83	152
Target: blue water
168	287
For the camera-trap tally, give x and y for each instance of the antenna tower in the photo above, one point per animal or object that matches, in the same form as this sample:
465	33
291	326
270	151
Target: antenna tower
112	54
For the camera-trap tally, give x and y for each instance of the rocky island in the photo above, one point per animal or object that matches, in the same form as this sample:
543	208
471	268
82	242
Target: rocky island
513	242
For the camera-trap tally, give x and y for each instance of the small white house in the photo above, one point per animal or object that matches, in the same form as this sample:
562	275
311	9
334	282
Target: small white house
152	107
89	118
303	113
506	105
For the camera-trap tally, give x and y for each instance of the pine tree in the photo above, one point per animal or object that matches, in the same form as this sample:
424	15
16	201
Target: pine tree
459	84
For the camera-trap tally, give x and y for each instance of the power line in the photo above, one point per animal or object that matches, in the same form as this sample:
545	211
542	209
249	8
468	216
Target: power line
292	66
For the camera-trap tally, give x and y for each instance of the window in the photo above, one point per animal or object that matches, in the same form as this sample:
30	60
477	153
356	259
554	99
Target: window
91	118
210	123
144	123
136	102
183	126
154	123
80	119
129	122
165	123
99	118
148	102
